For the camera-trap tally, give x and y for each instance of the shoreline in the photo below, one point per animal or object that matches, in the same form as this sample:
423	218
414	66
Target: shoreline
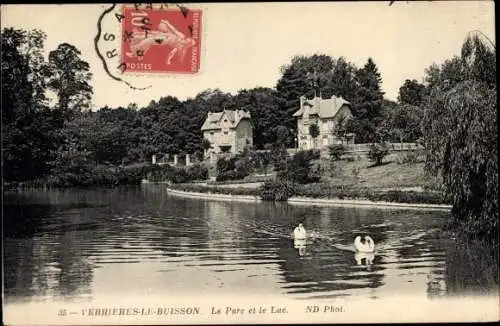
310	201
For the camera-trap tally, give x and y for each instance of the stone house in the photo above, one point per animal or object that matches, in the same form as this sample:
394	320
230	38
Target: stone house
228	131
326	114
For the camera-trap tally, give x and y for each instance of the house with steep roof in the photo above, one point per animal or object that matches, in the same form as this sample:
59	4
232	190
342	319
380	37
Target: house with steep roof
228	131
327	115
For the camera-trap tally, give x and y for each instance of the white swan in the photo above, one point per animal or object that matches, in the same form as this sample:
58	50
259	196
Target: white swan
299	233
368	245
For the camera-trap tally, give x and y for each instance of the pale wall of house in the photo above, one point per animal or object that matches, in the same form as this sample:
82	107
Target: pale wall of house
326	128
236	138
221	137
244	135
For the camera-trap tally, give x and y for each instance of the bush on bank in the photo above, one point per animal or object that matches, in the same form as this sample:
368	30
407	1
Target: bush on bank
168	173
279	190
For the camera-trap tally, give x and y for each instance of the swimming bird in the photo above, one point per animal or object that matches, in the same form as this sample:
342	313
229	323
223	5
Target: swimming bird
364	244
299	233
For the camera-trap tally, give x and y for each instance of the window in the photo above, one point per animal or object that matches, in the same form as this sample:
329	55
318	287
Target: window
211	133
225	132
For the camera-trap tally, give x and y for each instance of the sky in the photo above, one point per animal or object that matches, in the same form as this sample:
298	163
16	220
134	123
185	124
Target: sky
245	44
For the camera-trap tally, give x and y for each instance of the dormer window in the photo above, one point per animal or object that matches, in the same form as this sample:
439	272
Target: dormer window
225	120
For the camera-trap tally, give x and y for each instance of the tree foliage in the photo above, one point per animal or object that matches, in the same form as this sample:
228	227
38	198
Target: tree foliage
317	75
401	123
377	152
28	126
69	77
460	134
412	93
367	104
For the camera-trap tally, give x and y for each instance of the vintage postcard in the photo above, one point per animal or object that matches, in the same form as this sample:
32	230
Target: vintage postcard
304	162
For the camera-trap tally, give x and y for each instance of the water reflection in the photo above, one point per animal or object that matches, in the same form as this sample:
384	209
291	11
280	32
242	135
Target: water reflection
364	259
300	245
79	245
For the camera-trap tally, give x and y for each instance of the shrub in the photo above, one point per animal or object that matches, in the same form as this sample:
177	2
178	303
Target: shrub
299	168
225	164
279	158
378	152
178	174
279	190
336	151
197	172
234	168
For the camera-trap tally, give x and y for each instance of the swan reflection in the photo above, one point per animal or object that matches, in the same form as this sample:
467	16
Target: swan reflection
364	259
300	245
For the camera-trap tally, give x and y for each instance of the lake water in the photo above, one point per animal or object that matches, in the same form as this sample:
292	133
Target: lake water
80	245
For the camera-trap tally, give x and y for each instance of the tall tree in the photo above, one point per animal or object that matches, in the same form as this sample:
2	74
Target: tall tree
445	76
460	136
412	92
368	103
479	59
317	75
69	78
262	103
28	126
343	79
290	87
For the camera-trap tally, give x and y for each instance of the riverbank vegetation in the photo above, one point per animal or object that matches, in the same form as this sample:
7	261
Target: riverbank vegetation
452	115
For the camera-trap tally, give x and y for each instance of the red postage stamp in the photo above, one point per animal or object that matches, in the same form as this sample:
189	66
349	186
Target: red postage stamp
161	40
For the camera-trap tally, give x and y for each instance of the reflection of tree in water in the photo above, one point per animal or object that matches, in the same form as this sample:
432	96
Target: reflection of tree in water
19	271
75	272
177	227
419	251
45	258
471	269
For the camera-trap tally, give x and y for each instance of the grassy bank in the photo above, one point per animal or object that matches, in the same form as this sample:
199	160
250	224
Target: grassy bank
397	172
320	191
394	173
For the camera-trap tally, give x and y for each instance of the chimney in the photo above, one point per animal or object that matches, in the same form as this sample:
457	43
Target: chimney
302	100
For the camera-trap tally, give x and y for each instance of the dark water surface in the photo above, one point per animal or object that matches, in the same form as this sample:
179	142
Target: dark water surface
82	244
